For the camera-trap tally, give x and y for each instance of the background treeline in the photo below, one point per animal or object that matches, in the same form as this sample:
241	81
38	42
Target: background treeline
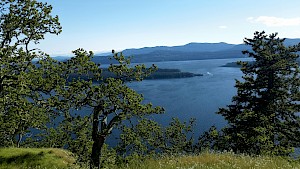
40	102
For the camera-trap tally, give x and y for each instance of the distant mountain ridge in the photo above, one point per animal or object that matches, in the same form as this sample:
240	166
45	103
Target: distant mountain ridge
190	51
190	47
197	47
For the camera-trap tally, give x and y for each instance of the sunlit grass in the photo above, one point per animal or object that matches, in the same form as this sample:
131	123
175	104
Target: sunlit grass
19	158
216	161
31	158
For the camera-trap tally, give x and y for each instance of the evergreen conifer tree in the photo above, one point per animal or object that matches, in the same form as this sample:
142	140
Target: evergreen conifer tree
263	117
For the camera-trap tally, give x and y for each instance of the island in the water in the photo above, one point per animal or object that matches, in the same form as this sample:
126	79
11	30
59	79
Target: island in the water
235	64
170	74
158	74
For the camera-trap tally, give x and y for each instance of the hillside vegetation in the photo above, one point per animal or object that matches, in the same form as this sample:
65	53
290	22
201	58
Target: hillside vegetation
21	158
217	161
108	124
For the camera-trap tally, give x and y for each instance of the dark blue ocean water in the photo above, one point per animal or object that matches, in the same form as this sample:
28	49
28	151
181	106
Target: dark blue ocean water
197	97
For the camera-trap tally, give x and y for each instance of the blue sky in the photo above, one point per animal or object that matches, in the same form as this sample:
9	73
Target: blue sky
102	25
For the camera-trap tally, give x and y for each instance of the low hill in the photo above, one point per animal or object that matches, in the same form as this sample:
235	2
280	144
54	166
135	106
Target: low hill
21	158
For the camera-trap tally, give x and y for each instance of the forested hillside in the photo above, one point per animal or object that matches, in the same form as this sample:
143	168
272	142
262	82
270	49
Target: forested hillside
41	101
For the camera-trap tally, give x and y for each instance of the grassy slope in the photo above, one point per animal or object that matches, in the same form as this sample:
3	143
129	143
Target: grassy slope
216	161
19	158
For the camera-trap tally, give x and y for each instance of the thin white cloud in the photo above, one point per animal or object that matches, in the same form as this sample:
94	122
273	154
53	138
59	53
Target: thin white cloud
250	19
275	21
223	27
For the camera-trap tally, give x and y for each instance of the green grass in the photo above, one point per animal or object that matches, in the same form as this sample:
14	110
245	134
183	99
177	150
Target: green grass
215	161
34	158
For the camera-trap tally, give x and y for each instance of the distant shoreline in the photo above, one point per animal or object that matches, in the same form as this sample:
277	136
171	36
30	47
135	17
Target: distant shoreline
235	65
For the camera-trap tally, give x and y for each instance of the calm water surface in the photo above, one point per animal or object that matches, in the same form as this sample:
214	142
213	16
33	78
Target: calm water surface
196	97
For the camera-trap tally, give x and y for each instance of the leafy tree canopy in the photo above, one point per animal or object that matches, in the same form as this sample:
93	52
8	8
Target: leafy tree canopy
23	23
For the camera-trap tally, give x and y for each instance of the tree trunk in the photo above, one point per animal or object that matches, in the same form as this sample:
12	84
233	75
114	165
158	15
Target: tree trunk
98	139
19	140
96	151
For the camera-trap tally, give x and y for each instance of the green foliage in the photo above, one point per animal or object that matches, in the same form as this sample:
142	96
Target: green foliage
37	92
109	101
210	140
73	134
263	117
147	138
69	129
25	22
112	102
144	138
179	137
109	157
21	105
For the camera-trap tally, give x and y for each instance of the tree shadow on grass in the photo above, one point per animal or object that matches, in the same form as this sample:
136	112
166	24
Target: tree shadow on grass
29	158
